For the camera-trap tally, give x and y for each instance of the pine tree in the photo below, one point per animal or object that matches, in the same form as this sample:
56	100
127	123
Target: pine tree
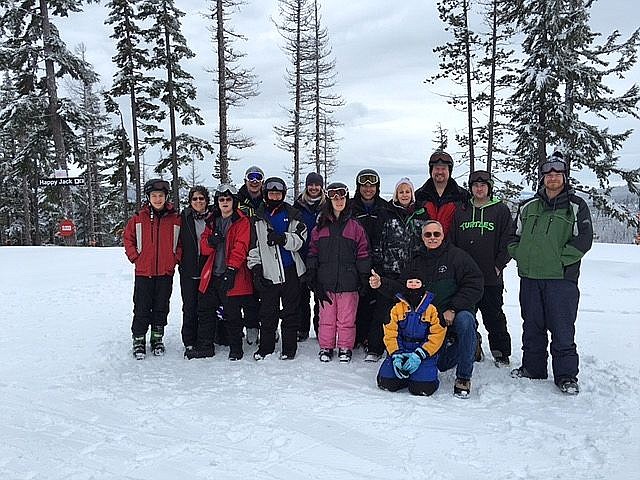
319	101
30	41
457	64
131	79
561	85
176	91
294	28
235	84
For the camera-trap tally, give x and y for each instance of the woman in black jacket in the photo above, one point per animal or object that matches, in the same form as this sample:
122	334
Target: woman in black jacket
193	224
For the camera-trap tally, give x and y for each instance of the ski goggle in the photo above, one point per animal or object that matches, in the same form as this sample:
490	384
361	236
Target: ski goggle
557	166
337	193
368	178
254	177
432	234
277	186
226	189
480	176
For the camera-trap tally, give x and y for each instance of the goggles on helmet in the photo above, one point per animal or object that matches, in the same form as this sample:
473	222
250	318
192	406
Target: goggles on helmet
368	178
558	166
273	185
337	193
480	176
254	177
225	190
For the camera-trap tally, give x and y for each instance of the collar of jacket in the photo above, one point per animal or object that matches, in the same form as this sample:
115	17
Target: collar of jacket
559	201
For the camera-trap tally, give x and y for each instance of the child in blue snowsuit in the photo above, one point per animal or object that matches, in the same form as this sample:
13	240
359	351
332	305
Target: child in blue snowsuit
412	336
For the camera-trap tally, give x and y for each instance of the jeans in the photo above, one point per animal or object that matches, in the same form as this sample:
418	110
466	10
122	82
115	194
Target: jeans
459	349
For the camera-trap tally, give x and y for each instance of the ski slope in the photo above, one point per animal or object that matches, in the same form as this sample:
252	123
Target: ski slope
75	405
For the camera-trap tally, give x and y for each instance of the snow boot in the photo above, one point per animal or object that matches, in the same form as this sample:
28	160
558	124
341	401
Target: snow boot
372	356
344	355
234	356
569	386
325	354
499	359
140	347
157	345
462	388
200	352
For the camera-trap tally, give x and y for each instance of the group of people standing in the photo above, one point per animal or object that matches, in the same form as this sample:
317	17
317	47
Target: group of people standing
405	276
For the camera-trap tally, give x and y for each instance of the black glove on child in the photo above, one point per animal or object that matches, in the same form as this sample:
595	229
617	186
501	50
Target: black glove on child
321	296
310	278
275	238
228	280
259	282
215	239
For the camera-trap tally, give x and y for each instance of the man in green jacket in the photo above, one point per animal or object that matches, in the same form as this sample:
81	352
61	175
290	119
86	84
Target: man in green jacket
553	231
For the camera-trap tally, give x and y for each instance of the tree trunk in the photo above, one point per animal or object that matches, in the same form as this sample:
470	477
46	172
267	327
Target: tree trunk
492	83
54	118
172	119
136	141
467	52
296	113
26	208
317	85
223	156
125	183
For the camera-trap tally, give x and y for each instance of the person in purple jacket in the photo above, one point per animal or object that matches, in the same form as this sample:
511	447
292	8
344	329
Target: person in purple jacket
338	266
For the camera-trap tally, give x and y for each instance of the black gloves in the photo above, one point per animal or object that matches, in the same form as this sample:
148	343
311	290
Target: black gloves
275	238
310	278
228	279
215	239
321	296
259	282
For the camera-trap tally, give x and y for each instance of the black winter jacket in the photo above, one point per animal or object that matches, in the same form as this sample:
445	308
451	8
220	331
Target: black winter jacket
373	220
448	272
192	263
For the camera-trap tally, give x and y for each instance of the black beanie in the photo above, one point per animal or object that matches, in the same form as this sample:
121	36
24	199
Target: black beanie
314	178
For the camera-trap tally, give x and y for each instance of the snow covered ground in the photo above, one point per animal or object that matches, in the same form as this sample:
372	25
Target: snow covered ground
75	405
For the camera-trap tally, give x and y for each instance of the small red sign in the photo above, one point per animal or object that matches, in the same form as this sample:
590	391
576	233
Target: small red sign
67	228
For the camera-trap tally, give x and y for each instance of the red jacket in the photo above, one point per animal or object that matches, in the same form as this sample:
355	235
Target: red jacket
236	249
151	241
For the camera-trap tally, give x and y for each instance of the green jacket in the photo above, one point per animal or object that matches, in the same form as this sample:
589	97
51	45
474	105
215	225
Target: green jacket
551	236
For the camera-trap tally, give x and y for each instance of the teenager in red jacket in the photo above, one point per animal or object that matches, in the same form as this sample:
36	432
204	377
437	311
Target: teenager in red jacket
225	279
151	243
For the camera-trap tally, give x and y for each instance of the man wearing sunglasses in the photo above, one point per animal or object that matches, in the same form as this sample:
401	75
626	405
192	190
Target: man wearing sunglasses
456	281
151	243
371	211
553	231
249	200
441	195
482	228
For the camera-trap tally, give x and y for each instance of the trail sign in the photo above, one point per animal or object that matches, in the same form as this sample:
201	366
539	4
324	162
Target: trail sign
67	228
59	182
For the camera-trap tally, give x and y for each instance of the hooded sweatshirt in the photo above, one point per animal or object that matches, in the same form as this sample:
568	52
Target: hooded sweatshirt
484	233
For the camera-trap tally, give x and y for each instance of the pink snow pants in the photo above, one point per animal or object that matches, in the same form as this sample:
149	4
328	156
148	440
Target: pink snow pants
339	319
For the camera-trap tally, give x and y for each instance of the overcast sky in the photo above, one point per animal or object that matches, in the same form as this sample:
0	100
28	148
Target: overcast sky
383	52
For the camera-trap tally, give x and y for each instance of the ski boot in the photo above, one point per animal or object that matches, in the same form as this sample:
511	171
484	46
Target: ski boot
139	347
157	332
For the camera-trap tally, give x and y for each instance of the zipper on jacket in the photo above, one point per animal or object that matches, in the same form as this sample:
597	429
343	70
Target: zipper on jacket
157	243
